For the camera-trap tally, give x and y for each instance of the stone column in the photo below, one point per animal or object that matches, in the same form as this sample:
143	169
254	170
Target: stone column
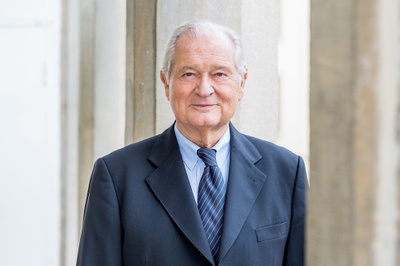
86	105
355	137
141	70
70	199
102	85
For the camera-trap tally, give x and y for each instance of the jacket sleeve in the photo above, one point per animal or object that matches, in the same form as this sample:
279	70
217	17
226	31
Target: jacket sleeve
101	238
294	251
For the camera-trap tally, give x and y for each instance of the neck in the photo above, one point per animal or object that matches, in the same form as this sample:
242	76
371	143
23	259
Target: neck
203	137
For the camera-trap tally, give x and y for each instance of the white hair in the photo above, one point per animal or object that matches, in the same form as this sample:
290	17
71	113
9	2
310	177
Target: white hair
203	29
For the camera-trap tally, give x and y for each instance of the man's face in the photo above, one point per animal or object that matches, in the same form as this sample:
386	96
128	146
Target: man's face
204	86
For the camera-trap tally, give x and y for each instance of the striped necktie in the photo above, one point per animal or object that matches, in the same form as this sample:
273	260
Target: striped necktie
211	200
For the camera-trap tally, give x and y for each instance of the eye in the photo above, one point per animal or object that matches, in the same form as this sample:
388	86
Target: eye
188	74
220	74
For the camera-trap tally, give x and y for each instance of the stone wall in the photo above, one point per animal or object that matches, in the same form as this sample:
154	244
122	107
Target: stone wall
355	146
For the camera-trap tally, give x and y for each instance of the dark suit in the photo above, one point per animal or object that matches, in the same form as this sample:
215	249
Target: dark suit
140	208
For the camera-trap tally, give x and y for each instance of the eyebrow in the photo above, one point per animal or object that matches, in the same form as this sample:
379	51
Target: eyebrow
213	68
218	67
183	69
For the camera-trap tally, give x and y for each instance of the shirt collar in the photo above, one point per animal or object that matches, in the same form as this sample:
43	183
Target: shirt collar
189	150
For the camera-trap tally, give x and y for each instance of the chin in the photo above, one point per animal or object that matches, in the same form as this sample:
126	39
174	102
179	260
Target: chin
209	124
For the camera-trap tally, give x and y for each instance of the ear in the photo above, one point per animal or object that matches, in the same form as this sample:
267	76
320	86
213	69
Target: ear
242	84
164	80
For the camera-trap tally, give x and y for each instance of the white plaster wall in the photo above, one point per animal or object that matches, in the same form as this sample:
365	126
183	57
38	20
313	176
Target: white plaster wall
30	134
386	231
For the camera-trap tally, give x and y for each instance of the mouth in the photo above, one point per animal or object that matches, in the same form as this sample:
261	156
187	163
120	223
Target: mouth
204	106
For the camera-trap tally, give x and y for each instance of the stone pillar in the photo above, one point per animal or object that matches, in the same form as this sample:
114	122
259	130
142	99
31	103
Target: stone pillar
141	70
109	76
70	199
85	109
355	137
102	85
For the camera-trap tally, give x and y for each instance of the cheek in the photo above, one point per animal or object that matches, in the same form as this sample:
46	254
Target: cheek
179	95
234	97
177	99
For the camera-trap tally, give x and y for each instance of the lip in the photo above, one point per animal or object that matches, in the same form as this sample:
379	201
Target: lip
204	106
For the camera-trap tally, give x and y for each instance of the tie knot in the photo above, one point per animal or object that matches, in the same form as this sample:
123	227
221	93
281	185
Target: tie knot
208	156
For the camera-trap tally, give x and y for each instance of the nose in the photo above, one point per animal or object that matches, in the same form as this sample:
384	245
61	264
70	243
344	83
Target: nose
205	87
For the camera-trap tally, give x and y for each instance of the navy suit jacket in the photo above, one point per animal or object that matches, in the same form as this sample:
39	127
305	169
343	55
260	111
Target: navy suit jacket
140	208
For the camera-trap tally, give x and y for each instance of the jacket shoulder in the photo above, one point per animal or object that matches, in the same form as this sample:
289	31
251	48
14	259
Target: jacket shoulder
133	151
272	149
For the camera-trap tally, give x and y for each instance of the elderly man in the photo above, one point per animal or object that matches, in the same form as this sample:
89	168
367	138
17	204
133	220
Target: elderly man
200	193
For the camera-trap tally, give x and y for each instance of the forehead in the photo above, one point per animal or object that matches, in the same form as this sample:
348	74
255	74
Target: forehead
212	49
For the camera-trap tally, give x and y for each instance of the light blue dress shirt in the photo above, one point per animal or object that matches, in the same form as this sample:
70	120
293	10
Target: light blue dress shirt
194	166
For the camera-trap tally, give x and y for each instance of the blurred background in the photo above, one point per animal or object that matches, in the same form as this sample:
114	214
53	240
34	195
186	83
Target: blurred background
79	79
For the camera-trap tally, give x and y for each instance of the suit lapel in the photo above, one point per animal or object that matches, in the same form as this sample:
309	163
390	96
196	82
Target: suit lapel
245	183
171	186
